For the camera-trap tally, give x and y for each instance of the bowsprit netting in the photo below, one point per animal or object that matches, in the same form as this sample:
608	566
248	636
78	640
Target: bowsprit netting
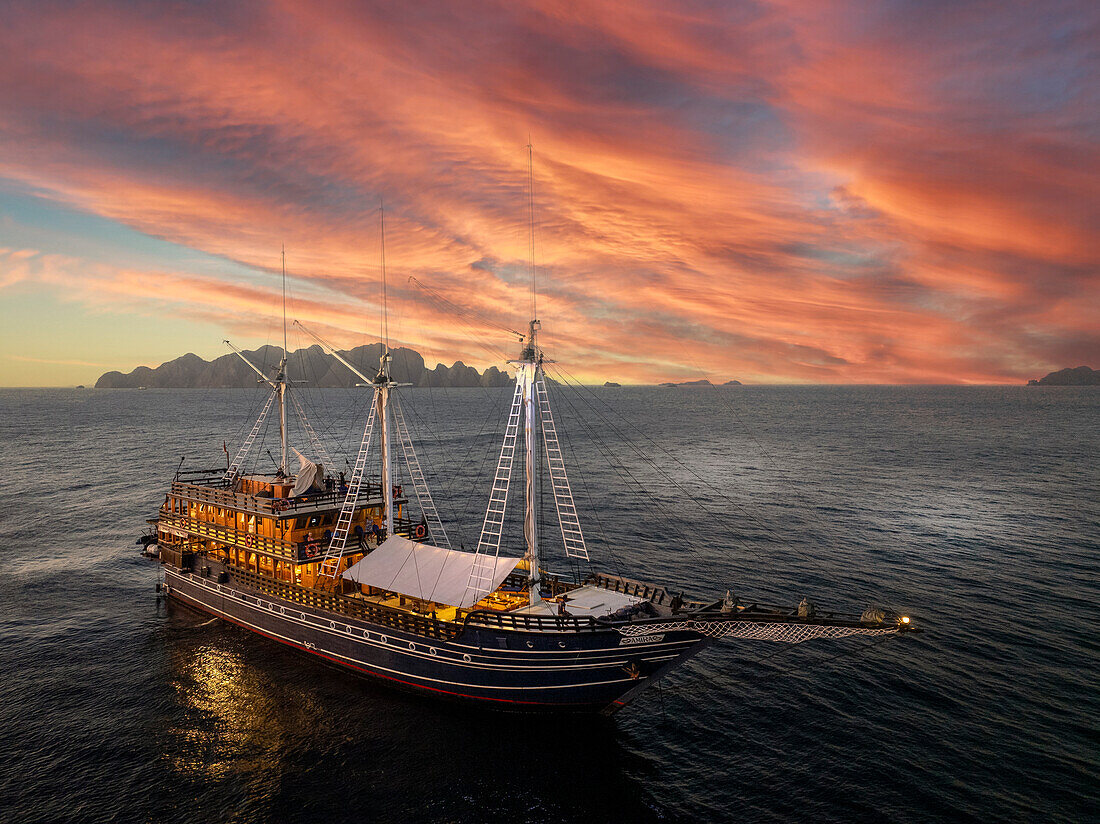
754	630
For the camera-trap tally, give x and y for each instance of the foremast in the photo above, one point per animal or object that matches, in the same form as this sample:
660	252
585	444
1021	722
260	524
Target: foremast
278	386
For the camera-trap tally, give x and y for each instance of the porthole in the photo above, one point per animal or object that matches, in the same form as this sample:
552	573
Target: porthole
530	645
561	644
383	639
348	629
432	651
412	646
332	624
466	657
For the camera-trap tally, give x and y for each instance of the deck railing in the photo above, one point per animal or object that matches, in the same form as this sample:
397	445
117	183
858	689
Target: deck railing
352	607
198	493
250	541
530	623
639	589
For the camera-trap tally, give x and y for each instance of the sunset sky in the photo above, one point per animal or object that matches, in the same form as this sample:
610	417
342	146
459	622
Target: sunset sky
808	192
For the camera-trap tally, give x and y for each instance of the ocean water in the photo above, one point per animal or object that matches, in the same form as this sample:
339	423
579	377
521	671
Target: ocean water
976	510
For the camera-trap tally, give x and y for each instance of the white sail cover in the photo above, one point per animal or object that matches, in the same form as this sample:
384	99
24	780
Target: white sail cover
423	571
310	476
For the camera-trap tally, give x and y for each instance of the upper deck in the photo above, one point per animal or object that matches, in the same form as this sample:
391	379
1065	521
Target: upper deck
207	488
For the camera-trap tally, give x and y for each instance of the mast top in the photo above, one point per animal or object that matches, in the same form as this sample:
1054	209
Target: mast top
531	352
383	376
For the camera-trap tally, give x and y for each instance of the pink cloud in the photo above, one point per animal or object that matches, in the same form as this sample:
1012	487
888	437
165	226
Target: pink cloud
768	192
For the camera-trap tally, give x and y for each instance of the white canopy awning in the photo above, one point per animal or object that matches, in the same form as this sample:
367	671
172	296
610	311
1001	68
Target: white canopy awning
428	572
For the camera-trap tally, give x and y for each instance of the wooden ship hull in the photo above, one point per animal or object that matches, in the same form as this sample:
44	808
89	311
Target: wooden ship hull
551	664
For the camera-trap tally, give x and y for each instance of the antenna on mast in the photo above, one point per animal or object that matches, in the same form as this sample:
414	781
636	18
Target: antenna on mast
531	222
284	301
384	326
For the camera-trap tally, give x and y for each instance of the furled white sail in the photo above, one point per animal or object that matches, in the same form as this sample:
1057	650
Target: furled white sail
311	476
430	573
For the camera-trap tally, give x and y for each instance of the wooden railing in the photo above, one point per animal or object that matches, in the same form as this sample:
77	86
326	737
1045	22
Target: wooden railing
628	586
370	496
530	623
250	541
333	602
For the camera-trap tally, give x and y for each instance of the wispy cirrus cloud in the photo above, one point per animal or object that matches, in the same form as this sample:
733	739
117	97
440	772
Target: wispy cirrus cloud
772	191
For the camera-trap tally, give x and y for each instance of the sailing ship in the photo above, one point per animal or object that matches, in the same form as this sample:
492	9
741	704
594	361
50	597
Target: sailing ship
340	569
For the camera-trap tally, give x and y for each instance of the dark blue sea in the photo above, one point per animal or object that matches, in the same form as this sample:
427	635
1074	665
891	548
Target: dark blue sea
976	510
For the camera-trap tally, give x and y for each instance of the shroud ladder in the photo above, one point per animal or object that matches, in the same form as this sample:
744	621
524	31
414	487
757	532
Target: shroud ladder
427	505
481	573
230	477
339	540
571	534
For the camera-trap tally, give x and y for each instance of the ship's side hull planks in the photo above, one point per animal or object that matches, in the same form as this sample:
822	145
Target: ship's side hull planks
594	671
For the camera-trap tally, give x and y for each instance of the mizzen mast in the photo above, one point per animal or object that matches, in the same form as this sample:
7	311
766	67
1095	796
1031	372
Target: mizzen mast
529	372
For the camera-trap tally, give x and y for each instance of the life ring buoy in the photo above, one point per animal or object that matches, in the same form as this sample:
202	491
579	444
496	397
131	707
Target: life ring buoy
281	506
312	549
419	531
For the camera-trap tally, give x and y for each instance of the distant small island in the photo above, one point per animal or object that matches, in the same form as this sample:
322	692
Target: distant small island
700	382
1081	376
312	364
613	384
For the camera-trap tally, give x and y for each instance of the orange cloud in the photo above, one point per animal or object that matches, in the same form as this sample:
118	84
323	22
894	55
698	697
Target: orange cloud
767	192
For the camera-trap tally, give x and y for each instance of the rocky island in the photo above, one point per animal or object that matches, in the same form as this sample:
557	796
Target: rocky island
1081	376
312	364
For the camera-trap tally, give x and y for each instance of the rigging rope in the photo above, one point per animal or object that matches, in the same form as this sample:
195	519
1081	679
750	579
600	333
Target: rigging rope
652	464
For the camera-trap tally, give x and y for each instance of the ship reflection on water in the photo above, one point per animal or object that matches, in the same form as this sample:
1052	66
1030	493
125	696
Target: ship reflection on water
274	735
231	724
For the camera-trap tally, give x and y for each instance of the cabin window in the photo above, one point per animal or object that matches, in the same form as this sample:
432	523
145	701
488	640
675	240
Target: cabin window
301	523
314	520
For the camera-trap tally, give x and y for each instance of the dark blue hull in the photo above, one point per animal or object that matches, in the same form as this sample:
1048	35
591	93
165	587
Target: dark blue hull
587	671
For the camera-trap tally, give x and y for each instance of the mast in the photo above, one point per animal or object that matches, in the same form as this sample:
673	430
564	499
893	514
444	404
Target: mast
280	379
383	382
530	367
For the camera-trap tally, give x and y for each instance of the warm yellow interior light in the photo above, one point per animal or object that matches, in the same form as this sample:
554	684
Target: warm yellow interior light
905	619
